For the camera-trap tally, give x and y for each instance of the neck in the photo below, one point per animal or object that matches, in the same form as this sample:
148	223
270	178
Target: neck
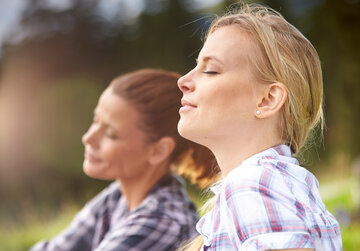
231	150
135	190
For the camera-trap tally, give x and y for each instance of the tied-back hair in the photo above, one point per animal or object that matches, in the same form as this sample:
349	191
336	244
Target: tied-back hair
280	54
155	95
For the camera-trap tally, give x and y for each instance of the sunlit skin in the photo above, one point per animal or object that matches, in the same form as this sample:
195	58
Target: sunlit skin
116	149
224	95
221	97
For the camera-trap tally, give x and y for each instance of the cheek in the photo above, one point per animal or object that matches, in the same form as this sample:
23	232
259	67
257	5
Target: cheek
230	103
122	154
220	100
113	153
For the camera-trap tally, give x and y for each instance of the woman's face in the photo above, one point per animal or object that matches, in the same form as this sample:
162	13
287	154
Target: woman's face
219	93
115	148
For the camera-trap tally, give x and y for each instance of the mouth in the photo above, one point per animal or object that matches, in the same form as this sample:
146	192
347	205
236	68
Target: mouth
91	157
186	106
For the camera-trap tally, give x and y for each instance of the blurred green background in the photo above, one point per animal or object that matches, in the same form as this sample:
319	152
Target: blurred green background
56	57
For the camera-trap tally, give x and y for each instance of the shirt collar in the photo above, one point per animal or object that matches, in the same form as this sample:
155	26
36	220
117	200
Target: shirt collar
215	188
271	153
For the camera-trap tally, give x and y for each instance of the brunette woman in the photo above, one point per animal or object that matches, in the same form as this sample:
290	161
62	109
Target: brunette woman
133	140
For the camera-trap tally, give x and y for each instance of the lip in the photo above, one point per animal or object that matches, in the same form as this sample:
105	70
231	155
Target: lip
91	157
186	106
184	102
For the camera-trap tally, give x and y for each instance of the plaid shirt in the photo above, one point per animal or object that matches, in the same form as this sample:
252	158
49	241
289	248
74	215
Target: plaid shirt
162	221
269	202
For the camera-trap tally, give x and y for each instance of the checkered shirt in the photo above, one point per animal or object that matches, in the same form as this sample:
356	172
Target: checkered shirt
162	221
269	202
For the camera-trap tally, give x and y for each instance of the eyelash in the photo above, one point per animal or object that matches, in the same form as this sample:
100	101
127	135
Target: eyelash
210	72
110	134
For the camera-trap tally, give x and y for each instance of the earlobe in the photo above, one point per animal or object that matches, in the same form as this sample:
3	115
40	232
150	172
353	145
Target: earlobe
162	150
271	100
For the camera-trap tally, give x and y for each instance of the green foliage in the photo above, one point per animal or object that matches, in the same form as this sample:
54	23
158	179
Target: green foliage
333	29
341	194
34	229
350	235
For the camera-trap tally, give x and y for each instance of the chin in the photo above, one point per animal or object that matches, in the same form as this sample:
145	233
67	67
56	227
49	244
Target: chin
89	172
184	130
93	172
189	133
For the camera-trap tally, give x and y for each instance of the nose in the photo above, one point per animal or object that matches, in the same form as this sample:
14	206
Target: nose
91	137
185	83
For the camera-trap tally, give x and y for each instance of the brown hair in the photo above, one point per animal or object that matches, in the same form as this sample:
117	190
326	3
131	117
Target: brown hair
155	95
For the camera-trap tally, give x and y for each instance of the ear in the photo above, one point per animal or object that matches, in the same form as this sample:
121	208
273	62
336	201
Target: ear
162	150
271	100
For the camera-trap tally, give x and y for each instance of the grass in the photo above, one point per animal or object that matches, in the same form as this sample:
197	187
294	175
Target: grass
22	237
350	235
340	197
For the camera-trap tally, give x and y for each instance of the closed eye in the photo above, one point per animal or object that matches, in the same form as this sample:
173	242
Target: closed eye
210	72
110	134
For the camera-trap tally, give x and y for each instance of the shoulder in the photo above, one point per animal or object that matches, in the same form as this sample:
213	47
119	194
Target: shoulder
171	198
154	226
168	206
265	186
260	206
144	231
252	177
258	192
108	198
268	173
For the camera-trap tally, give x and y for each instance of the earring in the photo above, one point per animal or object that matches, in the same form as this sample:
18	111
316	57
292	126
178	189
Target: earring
258	112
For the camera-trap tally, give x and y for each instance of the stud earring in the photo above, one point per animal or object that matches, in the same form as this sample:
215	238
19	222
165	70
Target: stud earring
258	112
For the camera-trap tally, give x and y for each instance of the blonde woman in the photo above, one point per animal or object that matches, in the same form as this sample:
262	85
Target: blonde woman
252	99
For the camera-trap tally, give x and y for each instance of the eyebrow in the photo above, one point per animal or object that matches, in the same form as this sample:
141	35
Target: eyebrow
104	123
209	58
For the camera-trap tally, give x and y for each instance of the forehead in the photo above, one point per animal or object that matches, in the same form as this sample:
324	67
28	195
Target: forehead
230	44
115	109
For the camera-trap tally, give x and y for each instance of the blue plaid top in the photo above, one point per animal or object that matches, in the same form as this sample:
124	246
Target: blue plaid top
162	221
269	202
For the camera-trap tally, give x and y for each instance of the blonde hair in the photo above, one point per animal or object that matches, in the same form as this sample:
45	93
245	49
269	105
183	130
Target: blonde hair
282	54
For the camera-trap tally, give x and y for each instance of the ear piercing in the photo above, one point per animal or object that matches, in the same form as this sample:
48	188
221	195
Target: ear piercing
258	112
